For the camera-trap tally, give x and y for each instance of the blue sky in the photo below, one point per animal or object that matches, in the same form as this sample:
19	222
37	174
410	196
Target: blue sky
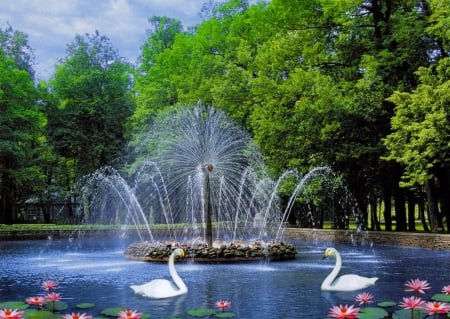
52	24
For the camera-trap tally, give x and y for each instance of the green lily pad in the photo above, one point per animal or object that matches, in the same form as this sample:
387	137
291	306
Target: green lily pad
85	305
372	313
14	305
56	306
225	315
39	314
113	311
385	304
201	312
441	297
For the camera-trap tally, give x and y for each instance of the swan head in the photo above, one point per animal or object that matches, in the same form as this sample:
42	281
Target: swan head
329	252
178	252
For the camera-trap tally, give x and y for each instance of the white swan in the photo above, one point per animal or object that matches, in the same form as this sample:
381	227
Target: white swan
349	282
162	288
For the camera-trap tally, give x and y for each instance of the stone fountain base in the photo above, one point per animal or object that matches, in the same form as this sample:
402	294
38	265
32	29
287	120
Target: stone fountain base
219	253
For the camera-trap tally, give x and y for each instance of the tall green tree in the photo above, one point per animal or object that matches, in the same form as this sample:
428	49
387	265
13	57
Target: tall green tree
420	138
93	100
21	134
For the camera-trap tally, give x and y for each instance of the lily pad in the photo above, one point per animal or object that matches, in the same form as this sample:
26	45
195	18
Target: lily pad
39	314
14	305
385	304
441	297
113	311
225	315
372	313
201	312
85	305
56	306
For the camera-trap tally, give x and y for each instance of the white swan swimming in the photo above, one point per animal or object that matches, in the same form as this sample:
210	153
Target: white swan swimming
349	282
162	288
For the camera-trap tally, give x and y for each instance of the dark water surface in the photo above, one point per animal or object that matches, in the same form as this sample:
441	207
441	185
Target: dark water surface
95	270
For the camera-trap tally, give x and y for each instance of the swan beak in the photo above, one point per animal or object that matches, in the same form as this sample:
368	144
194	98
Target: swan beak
182	253
326	255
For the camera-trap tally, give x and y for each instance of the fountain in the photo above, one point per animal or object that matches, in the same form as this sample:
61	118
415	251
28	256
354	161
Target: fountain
200	176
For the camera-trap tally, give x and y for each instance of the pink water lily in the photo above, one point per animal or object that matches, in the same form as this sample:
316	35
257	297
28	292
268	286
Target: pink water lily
11	314
435	307
222	304
412	302
446	290
76	316
49	285
129	314
344	312
364	298
417	285
53	296
35	301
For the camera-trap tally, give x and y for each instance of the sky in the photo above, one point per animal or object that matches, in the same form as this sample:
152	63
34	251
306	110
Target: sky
52	24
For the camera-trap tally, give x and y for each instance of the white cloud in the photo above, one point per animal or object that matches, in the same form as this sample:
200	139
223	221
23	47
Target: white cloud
52	24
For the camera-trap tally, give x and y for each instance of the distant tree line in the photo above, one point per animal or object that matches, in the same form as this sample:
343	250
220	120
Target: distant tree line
361	86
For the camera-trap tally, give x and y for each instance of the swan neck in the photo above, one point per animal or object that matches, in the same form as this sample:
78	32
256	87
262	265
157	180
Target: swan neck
328	281
176	278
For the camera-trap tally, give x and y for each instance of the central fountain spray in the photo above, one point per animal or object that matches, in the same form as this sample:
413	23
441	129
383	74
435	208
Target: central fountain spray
199	174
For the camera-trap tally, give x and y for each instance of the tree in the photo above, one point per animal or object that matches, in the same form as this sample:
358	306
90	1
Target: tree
92	88
420	136
15	45
21	128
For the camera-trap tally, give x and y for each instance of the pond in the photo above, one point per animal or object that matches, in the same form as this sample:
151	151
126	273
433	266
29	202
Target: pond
95	270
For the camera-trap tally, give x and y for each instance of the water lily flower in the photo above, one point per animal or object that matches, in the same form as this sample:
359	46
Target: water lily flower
77	316
35	301
129	314
435	307
222	304
446	290
53	296
364	298
417	285
412	302
11	314
343	312
49	285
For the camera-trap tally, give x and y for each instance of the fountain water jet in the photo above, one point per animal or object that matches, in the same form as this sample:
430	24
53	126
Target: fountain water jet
199	169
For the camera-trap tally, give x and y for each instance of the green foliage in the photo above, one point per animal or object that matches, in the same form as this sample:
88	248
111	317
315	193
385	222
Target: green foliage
21	126
420	136
92	102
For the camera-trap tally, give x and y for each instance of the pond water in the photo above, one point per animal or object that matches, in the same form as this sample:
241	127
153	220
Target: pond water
95	270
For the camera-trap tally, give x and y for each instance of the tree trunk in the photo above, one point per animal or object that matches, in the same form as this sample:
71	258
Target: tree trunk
430	188
387	207
444	198
411	212
400	210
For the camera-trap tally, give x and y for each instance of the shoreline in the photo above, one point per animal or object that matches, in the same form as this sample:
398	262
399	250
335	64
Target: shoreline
386	238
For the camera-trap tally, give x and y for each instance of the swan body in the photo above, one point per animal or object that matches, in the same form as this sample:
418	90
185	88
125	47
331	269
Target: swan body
162	288
349	282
